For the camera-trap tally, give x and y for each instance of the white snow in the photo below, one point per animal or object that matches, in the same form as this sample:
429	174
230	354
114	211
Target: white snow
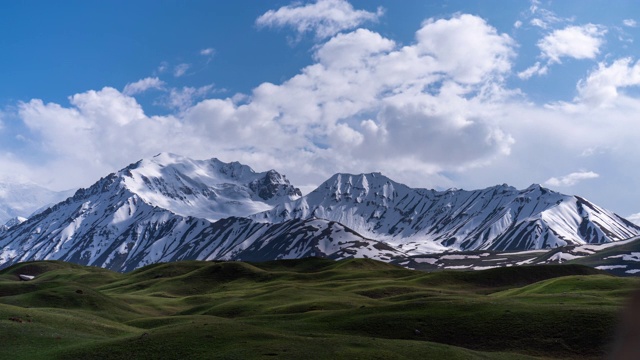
526	262
426	260
562	256
459	257
610	267
162	209
484	267
634	256
523	252
208	189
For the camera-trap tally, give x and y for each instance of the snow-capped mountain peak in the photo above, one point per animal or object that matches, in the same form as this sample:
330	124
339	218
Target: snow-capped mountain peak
357	187
209	189
420	220
170	207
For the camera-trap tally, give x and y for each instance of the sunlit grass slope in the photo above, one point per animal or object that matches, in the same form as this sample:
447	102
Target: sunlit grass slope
307	309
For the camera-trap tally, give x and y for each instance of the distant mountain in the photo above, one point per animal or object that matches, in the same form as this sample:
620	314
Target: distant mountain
419	220
169	208
22	199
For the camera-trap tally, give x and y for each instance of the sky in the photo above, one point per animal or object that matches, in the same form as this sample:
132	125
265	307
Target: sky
434	94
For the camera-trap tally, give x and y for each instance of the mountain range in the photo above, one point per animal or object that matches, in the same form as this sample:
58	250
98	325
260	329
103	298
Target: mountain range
170	208
19	200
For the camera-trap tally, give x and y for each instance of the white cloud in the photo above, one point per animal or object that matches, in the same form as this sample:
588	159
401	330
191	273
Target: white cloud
535	5
208	52
182	99
571	179
181	69
324	18
543	18
535	69
352	50
81	130
366	104
579	42
629	22
425	113
143	85
634	218
452	41
601	87
163	67
539	23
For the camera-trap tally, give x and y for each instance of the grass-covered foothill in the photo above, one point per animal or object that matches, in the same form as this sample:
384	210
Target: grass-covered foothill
307	309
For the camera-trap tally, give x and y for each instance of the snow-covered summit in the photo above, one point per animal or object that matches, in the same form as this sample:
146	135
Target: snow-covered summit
420	220
170	207
159	209
209	189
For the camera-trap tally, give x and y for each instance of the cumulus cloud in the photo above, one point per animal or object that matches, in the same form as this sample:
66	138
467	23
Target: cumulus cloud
602	86
425	113
451	41
143	85
79	131
571	179
441	137
629	23
365	104
579	42
324	18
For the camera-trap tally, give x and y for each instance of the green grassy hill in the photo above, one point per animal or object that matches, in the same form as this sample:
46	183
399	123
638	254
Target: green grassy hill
309	308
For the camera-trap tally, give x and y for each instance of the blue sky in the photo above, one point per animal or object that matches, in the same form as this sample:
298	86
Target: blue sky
434	94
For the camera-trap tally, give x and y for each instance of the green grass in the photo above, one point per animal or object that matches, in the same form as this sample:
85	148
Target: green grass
309	308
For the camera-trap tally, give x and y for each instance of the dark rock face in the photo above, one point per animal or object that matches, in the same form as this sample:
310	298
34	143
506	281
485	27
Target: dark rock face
273	184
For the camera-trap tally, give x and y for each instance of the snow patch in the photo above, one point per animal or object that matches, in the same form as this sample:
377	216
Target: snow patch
610	267
634	256
562	256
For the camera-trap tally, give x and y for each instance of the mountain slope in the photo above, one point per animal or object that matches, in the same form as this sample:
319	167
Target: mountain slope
142	215
419	220
170	208
209	189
